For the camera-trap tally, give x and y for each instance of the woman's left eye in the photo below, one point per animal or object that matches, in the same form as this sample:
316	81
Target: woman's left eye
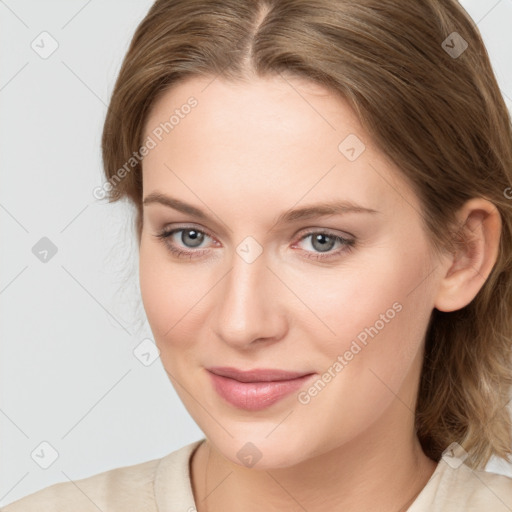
186	242
323	242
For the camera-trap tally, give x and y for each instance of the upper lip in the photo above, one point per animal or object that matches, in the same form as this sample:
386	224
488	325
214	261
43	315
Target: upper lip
257	374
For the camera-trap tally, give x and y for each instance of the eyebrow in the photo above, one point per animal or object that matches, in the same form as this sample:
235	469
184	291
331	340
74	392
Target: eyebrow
317	210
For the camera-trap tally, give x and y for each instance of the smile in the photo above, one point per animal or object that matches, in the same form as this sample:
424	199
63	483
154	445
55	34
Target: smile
254	395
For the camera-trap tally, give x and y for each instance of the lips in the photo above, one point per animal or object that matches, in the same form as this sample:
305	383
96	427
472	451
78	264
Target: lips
256	375
254	390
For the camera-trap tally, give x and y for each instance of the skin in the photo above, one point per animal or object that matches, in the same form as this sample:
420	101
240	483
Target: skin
245	154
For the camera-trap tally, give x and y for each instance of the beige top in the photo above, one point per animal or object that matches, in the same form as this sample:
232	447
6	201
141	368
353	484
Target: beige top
163	485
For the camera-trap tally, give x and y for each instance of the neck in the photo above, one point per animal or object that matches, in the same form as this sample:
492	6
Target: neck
351	478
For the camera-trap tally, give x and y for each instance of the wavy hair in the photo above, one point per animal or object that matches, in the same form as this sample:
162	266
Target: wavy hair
430	103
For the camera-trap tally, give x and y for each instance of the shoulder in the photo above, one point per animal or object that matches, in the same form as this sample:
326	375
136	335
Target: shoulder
454	488
486	491
126	489
151	486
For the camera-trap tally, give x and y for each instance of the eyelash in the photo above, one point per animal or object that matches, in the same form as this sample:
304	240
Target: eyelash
348	244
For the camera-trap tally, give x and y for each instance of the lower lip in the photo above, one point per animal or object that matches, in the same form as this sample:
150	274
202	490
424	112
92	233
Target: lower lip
255	396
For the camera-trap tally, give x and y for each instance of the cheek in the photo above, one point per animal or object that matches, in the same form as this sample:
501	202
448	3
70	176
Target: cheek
163	294
172	295
379	327
377	312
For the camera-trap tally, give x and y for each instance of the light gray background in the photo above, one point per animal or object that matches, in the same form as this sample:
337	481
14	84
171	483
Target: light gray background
68	374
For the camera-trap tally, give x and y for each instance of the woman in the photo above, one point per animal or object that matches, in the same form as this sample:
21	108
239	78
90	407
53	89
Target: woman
324	216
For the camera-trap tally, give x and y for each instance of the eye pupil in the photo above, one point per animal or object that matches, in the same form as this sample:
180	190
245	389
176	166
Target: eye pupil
191	237
326	242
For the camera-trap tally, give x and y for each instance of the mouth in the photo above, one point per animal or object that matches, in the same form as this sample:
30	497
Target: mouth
257	389
256	375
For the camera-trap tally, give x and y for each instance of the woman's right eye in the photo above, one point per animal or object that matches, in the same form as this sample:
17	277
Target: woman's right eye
183	242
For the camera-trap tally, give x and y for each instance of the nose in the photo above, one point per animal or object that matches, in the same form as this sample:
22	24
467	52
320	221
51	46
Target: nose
249	308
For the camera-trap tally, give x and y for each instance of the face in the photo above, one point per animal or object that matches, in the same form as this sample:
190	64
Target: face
261	259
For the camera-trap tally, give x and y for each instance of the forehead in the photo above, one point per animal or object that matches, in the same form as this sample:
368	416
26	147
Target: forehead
277	134
274	103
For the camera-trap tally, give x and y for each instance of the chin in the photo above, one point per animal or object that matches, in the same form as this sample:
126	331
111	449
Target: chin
259	450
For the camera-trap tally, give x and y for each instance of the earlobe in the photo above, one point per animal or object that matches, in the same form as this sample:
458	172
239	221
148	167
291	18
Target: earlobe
477	245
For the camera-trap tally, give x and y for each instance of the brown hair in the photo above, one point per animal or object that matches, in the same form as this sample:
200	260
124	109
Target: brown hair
436	112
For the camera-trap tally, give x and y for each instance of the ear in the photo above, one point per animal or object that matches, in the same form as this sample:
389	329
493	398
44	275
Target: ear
467	268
